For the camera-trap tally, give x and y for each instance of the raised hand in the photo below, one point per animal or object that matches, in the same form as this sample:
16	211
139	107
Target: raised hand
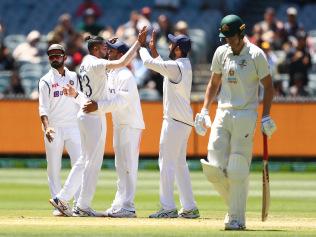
152	45
142	36
152	42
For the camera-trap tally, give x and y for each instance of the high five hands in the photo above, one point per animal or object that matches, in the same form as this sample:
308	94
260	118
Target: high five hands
152	45
142	36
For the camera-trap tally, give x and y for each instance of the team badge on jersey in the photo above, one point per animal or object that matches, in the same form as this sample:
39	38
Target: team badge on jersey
71	82
242	63
58	93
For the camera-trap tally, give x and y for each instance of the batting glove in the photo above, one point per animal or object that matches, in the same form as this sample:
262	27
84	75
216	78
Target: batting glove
202	122
268	126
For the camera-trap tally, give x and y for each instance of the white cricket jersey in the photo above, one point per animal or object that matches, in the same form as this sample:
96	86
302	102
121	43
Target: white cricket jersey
122	80
93	79
61	110
176	86
240	75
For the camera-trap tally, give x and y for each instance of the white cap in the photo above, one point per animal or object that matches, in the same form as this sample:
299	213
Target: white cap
291	11
33	35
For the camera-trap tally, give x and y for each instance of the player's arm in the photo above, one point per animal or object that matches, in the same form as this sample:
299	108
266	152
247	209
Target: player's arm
215	80
169	69
212	89
130	54
268	126
202	120
117	102
76	94
268	95
45	122
44	108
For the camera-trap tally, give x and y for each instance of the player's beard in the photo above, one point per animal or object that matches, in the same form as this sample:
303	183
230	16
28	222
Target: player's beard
56	64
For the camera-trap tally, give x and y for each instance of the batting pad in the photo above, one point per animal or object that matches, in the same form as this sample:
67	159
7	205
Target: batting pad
238	172
217	177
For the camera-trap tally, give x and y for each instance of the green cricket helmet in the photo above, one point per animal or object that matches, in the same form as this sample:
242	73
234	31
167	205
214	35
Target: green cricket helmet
231	25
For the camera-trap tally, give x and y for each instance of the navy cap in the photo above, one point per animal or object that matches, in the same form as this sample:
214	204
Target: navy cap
182	41
118	45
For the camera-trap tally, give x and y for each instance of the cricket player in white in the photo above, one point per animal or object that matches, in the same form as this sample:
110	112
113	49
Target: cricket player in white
93	80
176	127
128	124
59	118
237	68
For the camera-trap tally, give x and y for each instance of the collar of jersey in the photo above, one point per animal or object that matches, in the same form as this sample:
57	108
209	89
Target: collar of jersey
57	74
243	51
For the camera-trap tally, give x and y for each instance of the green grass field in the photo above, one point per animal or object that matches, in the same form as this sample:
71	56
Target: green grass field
25	211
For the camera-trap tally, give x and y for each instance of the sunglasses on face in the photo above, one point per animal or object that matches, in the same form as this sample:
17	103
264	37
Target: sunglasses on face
52	56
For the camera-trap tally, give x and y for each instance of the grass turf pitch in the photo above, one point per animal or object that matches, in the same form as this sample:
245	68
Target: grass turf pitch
25	211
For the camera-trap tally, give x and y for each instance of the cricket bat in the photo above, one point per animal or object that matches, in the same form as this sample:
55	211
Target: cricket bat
265	181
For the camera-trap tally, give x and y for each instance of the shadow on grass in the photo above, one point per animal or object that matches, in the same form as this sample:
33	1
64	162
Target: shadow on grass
254	230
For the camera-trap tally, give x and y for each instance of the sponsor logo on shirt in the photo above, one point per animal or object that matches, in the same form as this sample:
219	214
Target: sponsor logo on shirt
58	93
71	82
55	85
231	77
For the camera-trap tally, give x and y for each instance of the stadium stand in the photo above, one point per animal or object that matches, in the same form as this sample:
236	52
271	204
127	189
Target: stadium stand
201	16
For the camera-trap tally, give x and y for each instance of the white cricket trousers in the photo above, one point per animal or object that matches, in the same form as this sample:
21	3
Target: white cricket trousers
93	133
68	137
230	149
126	141
173	166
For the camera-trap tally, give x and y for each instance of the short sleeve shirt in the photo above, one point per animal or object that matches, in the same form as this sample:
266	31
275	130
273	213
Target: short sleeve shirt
240	75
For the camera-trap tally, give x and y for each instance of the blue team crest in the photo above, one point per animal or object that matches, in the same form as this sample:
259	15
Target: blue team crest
242	63
71	82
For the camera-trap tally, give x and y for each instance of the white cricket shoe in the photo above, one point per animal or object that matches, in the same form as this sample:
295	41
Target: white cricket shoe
62	206
88	212
189	214
122	213
56	212
234	225
162	213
